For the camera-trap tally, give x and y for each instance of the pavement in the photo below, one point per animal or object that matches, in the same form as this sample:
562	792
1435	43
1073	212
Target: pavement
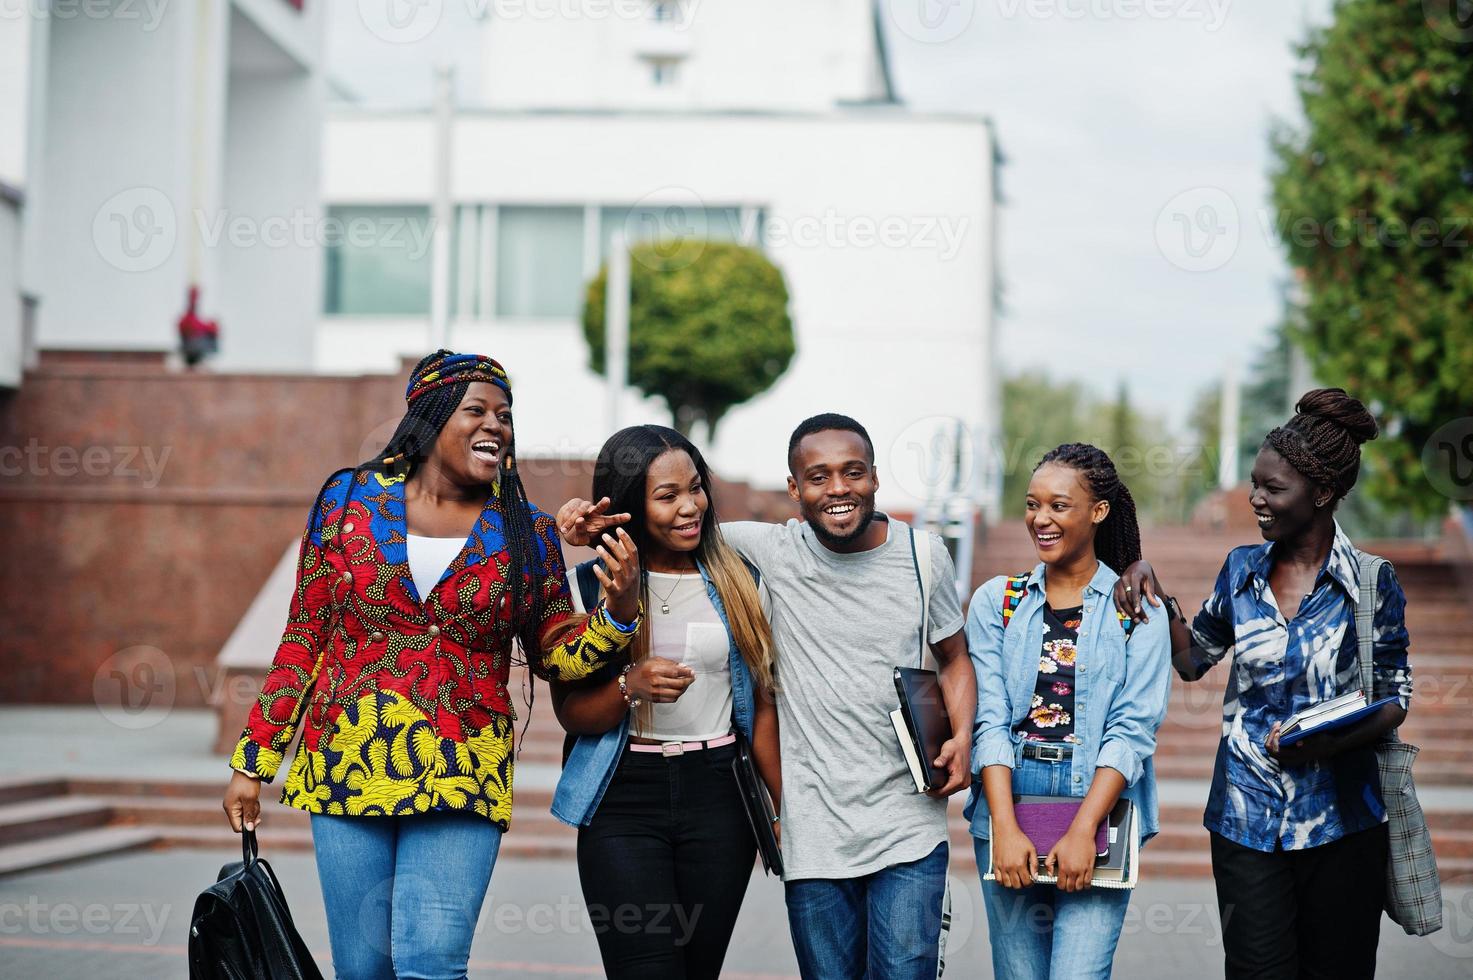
127	916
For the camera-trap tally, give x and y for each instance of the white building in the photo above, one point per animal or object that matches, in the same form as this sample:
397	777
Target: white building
149	147
765	121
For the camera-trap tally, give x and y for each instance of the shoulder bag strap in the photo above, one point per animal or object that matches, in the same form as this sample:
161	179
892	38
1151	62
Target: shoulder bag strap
1365	618
920	555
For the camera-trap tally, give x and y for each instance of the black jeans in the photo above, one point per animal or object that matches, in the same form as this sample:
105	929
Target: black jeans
1302	915
665	865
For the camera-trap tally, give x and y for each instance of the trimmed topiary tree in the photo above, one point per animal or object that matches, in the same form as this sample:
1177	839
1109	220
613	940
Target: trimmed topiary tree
704	335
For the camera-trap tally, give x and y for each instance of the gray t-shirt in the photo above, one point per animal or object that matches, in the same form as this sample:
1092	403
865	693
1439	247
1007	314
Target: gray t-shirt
842	624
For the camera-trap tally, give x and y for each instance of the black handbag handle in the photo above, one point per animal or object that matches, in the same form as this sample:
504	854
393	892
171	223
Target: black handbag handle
248	847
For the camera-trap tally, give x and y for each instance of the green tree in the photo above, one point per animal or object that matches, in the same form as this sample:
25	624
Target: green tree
704	335
1375	204
1040	413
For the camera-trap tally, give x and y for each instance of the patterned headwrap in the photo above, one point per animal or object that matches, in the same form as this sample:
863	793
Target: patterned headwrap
450	368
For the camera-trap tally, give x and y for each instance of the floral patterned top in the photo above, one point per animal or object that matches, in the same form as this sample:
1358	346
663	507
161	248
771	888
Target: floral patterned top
1051	715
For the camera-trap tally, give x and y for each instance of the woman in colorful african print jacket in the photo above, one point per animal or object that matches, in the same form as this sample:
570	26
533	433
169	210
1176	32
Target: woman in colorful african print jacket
417	571
1299	835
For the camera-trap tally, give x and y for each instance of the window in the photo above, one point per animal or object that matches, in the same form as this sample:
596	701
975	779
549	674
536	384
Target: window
539	261
378	260
665	10
656	222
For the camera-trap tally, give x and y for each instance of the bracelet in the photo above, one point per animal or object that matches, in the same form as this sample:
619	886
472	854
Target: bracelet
632	702
618	625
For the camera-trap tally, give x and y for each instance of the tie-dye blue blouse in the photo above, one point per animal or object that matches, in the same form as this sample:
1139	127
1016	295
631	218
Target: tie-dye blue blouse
1281	668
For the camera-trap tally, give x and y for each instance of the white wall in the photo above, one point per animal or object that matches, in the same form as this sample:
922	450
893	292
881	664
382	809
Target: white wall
894	333
168	129
15	90
117	104
748	54
269	279
11	354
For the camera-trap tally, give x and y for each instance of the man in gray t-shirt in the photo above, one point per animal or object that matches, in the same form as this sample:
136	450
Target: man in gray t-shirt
865	855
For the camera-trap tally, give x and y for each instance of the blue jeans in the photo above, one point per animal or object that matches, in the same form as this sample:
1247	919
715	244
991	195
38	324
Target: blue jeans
885	925
403	893
1039	932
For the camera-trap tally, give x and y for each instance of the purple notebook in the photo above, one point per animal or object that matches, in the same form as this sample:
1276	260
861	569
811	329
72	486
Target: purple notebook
1046	819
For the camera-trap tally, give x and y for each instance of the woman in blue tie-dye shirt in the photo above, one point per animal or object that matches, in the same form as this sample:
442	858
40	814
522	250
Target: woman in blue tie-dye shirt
1299	836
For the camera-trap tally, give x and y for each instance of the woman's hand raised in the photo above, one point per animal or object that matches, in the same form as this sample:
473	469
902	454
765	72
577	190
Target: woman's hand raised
580	523
619	575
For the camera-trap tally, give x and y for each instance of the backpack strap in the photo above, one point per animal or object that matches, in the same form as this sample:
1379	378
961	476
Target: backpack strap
1012	595
587	583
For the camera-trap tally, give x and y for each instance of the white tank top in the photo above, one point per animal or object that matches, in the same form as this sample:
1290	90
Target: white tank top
428	559
690	633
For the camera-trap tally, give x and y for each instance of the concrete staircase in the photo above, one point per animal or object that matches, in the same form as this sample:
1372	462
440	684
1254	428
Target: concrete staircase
48	822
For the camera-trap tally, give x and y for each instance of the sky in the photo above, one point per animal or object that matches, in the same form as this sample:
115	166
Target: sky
1137	238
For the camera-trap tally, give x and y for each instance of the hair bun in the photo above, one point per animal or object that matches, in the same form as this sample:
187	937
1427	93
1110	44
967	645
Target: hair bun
1334	405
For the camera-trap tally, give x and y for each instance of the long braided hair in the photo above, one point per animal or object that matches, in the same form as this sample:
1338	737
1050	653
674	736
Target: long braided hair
1323	439
407	450
1118	536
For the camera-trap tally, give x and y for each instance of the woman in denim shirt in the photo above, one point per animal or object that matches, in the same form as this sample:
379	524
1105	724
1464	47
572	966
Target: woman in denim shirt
1299	837
1069	698
662	832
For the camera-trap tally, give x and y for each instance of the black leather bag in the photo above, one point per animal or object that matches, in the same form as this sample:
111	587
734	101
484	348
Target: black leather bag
241	928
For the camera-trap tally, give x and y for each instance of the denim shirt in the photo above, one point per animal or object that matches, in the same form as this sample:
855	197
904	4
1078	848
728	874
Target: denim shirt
1122	681
1278	669
591	765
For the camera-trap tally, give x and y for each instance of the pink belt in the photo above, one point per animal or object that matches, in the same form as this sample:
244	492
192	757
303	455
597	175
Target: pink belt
681	748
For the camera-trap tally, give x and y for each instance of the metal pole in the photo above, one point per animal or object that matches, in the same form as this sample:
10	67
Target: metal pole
442	212
1227	462
616	329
